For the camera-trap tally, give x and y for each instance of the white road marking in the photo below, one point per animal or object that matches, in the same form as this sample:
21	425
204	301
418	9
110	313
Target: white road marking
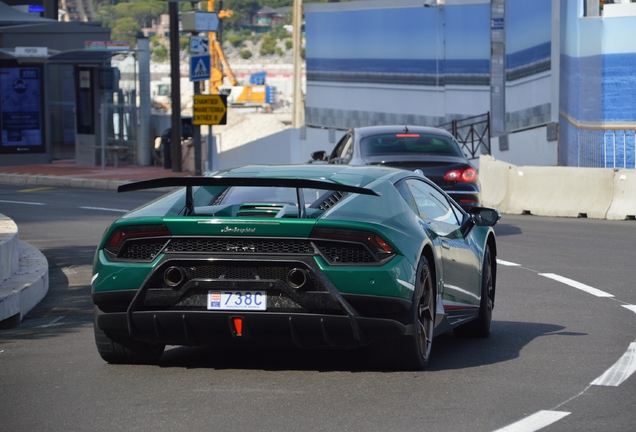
53	322
535	422
68	271
105	209
507	263
21	202
578	285
630	307
622	369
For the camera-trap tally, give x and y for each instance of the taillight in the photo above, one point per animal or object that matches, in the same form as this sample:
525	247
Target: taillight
122	234
464	175
407	135
376	243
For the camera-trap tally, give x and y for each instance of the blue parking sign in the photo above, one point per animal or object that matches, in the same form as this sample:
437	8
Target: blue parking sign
199	67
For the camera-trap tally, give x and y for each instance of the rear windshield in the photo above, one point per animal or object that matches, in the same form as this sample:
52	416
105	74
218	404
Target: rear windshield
408	143
279	195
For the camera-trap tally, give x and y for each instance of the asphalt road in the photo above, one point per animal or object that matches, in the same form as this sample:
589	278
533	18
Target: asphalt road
552	342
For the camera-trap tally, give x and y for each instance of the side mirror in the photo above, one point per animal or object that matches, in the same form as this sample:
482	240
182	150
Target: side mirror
485	216
479	216
319	155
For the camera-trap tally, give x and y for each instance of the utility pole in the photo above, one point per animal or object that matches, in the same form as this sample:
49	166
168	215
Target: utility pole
175	86
298	117
196	129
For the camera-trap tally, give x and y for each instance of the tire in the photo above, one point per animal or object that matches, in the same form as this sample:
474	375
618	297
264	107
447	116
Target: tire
480	327
124	350
414	350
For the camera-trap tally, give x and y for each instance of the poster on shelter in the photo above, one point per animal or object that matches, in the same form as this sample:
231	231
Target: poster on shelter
21	110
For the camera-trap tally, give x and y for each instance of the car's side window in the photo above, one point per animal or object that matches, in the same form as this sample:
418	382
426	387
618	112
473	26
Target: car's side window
346	151
337	151
433	206
404	191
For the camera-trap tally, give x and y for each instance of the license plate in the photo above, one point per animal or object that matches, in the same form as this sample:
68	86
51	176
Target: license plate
237	300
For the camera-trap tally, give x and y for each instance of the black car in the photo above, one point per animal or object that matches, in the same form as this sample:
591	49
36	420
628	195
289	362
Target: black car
433	152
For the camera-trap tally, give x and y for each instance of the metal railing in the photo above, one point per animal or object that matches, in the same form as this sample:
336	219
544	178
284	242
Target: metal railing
608	148
472	133
119	133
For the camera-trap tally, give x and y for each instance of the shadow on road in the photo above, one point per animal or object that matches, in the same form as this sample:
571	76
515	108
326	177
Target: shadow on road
502	229
449	352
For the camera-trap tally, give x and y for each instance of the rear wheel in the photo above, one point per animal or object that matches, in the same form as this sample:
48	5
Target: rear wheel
480	327
413	351
124	350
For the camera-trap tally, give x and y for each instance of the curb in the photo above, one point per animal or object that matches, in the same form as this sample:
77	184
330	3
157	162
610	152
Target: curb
48	180
52	180
25	288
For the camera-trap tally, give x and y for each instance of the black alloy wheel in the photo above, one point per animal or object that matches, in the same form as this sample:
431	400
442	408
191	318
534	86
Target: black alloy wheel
124	350
480	327
414	350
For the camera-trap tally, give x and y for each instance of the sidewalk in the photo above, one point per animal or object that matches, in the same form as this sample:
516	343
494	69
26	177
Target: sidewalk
66	173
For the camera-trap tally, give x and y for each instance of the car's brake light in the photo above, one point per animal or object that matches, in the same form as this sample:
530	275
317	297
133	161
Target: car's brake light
372	240
464	175
407	135
121	234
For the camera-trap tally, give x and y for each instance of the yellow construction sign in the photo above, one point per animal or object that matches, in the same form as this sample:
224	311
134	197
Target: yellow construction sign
210	109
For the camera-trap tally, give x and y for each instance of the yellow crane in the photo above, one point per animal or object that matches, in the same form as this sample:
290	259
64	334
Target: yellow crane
219	66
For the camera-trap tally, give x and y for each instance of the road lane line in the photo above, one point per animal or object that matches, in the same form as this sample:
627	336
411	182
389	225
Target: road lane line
52	322
38	189
630	307
105	209
622	369
578	285
535	422
21	202
507	263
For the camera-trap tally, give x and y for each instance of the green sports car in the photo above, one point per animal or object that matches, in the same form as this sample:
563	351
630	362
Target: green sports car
309	256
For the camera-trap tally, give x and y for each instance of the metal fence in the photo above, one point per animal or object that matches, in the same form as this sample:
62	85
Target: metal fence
610	148
119	134
472	133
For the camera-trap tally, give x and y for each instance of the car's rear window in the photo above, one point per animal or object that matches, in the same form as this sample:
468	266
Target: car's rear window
408	143
280	195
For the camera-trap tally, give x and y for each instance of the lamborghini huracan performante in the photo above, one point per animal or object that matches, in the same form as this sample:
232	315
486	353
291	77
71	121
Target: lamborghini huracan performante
308	256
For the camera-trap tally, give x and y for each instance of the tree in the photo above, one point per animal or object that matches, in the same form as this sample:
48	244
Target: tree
126	29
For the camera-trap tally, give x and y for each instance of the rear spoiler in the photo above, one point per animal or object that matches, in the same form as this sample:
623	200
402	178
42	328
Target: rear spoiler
296	183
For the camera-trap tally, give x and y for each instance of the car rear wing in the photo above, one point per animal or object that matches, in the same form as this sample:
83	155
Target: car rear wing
296	183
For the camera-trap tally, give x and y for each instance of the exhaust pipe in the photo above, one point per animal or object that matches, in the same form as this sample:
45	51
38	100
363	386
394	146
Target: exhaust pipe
297	278
173	276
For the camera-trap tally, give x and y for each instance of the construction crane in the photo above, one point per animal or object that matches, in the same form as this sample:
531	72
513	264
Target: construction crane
219	66
253	94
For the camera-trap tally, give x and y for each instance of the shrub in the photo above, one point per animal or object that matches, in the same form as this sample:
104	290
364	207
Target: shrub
160	53
235	40
268	46
245	54
184	43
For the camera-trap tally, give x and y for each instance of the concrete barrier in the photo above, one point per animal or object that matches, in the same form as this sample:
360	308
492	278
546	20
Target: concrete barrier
598	193
24	275
8	247
624	202
493	177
